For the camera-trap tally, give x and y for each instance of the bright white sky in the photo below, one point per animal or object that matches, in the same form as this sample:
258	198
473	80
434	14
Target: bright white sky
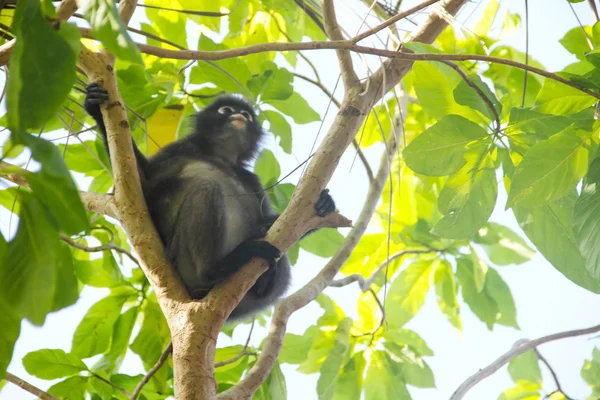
546	301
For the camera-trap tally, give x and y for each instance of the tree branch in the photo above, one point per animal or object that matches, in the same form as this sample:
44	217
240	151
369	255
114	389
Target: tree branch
365	284
93	202
93	249
28	387
334	32
163	358
518	349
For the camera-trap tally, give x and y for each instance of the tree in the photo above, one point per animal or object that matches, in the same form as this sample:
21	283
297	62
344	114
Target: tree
453	111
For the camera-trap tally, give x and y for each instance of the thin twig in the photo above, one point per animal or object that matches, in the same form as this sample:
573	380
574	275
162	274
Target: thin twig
163	357
518	349
592	4
552	372
242	353
365	284
103	247
393	20
28	387
120	389
477	90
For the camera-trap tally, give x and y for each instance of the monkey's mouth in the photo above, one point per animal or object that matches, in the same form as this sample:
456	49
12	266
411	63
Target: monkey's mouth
238	121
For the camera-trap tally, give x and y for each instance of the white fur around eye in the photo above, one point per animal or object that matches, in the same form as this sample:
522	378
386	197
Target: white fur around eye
225	110
247	115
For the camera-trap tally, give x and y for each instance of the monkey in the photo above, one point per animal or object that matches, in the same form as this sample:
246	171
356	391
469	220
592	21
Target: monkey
210	210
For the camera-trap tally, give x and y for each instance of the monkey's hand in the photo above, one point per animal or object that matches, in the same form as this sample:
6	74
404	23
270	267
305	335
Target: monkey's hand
325	205
94	97
264	250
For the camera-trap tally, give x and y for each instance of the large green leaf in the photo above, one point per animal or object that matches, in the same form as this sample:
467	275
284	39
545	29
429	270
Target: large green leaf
28	275
74	388
296	347
550	169
52	364
323	243
108	27
274	83
267	168
576	41
502	245
11	327
549	229
54	186
467	96
446	291
296	107
468	197
408	338
42	67
101	272
590	371
407	293
350	380
384	380
279	127
494	304
440	150
331	367
586	220
525	367
95	330
560	99
111	361
413	369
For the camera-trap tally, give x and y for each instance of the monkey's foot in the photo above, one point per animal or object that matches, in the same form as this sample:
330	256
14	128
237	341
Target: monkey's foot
325	205
94	97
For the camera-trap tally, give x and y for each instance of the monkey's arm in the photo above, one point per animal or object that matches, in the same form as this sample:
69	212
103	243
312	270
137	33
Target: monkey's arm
96	96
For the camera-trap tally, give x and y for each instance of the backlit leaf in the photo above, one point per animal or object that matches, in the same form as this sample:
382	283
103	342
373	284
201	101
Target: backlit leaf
52	364
446	291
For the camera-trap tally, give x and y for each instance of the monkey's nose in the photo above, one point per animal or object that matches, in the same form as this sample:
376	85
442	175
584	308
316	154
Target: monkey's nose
238	117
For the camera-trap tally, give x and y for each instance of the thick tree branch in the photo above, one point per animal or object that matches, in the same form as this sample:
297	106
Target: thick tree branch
28	387
93	202
518	349
334	32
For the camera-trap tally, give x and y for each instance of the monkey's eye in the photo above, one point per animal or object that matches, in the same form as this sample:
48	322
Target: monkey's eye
247	115
225	110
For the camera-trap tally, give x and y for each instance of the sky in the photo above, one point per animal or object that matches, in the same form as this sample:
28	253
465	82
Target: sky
546	301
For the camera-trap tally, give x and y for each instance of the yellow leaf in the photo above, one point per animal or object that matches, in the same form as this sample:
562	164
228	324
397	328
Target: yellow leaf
163	127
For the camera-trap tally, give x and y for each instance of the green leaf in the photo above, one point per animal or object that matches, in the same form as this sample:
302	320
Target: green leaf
590	372
66	290
550	169
54	186
28	275
560	99
295	347
279	127
52	364
73	388
503	246
468	197
549	229
480	269
275	83
95	330
494	304
467	96
322	342
276	383
576	42
333	313
350	380
434	84
11	328
296	107
594	57
101	272
112	360
440	150
409	338
407	293
586	219
331	367
267	168
525	390
323	243
525	367
446	291
35	93
384	381
108	27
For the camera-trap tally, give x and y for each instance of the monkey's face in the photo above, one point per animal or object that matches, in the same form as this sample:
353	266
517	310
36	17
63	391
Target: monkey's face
230	124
